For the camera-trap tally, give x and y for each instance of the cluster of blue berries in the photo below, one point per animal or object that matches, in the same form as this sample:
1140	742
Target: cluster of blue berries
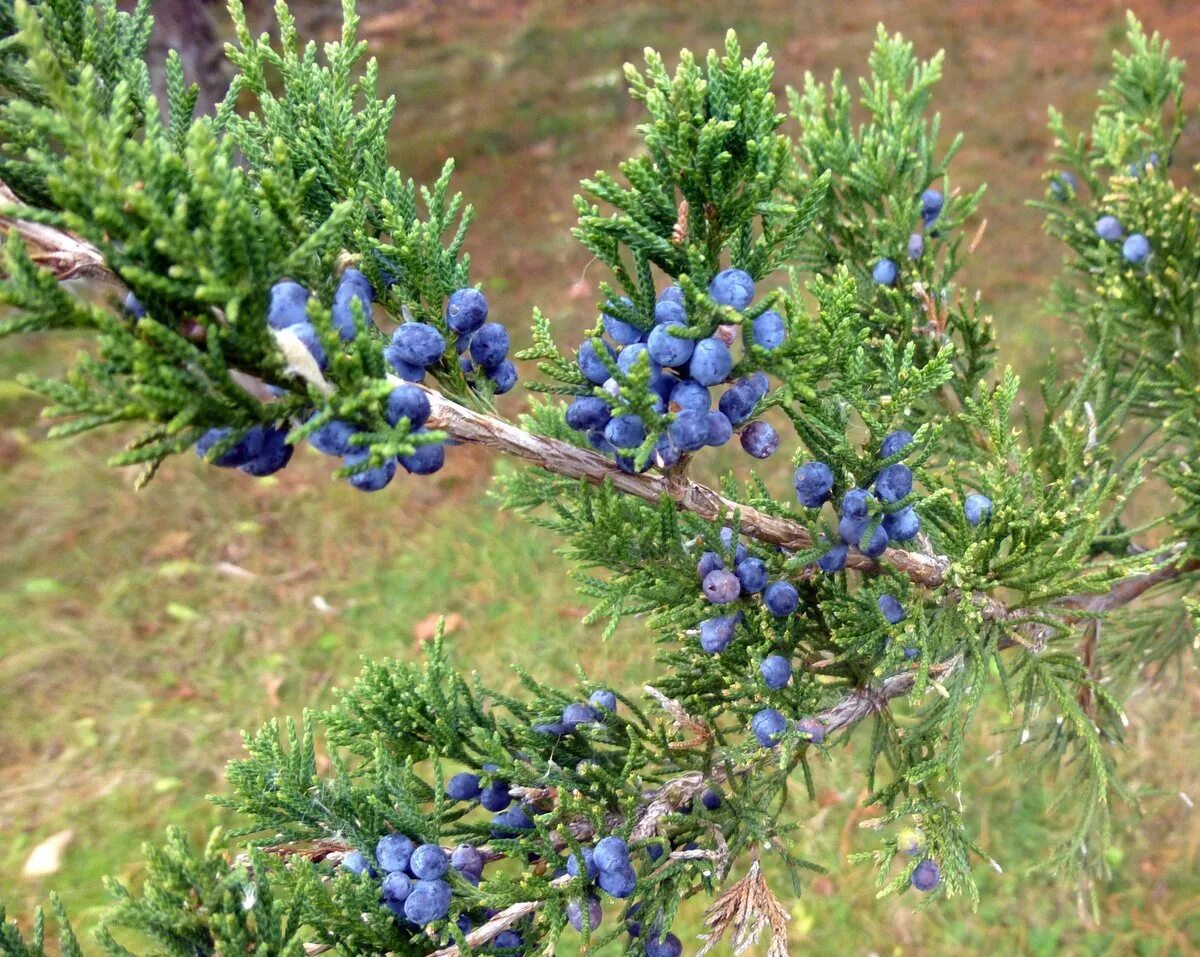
682	373
770	726
415	886
1135	248
886	271
607	866
722	586
857	527
599	706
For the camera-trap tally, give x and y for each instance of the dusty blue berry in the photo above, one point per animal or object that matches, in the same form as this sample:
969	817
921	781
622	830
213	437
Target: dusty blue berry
721	587
834	560
738	401
710	799
814	483
590	363
931	206
851	529
626	431
1109	229
875	543
894	482
621	332
466	310
812	728
672	294
768	331
926	876
407	402
611	853
427	459
429	901
603	701
576	714
717	633
503	377
1136	249
287	304
393	852
420	344
576	915
394	891
977	508
776	671
732	287
689	431
355	863
760	439
711	362
619	883
272	455
489	346
138	311
667	349
306	332
916	246
891	608
353	286
466	859
588	412
752	574
689	394
666	946
428	862
587	867
405	370
894	443
769	726
885	272
1064	185
245	449
720	429
709	562
495	796
781	598
903	525
856	503
464	786
670	311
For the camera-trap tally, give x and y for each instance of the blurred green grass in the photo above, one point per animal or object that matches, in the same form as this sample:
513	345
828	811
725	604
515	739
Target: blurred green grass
139	632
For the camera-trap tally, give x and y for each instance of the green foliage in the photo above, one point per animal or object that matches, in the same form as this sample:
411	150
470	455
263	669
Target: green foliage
199	216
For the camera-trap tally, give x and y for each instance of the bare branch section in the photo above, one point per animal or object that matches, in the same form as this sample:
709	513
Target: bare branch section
67	256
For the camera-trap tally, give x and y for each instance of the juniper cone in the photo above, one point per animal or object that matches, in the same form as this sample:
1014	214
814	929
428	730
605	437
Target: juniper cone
250	265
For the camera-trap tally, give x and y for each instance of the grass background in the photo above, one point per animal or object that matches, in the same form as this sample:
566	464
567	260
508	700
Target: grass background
140	632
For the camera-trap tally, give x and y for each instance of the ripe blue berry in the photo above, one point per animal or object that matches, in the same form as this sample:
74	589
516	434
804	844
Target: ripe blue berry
752	574
670	311
672	294
426	460
355	863
429	901
495	797
508	940
717	633
776	671
768	331
856	504
709	562
916	246
588	412
611	853
466	310
720	429
894	443
464	786
711	362
903	525
576	916
243	451
272	455
738	402
721	587
732	287
852	529
814	483
781	598
590	363
710	799
353	286
833	560
503	377
689	431
619	883
769	726
894	482
420	344
287	304
489	346
393	852
621	332
588	866
555	728
689	394
576	714
626	431
466	859
395	891
760	439
667	349
926	876
740	552
668	946
758	384
603	700
1136	249
405	370
508	823
977	508
885	272
1109	229
812	728
629	357
875	544
407	402
891	608
428	862
931	206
